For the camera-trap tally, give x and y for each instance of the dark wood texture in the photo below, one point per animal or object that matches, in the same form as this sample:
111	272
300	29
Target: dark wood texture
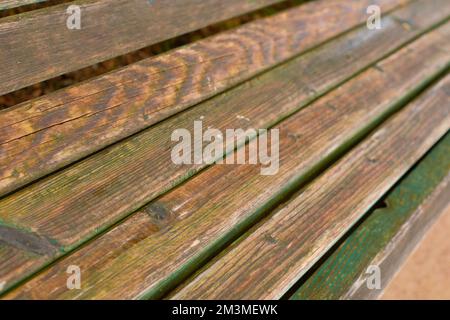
271	258
169	237
42	135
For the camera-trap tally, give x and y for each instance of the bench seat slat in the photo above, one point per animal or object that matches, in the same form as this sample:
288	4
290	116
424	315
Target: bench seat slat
41	46
387	236
210	207
272	258
48	133
9	4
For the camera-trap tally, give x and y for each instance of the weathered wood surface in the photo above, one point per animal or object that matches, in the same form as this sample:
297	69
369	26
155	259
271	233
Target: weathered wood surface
169	237
47	133
272	257
391	261
77	203
9	4
14	260
37	45
387	235
126	176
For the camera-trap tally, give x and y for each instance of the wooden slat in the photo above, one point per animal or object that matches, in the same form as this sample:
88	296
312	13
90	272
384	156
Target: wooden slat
387	235
40	46
79	202
266	263
15	260
169	237
9	4
48	133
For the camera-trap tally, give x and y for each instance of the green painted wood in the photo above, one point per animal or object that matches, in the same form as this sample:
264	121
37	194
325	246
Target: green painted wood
80	202
336	275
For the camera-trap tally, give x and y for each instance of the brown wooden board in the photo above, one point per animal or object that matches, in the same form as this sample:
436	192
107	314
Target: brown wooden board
159	245
266	262
45	134
38	45
8	4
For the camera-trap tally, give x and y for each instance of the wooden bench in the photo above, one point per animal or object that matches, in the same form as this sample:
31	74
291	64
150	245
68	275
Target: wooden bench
87	178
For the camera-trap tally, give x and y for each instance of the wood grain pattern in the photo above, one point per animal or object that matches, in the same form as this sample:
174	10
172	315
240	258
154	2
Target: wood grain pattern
9	4
124	177
170	236
387	235
14	260
40	46
80	203
47	133
77	203
272	257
